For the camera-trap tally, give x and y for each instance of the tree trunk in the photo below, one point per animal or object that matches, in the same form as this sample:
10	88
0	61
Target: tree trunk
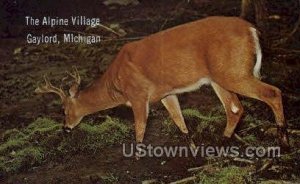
259	9
245	8
260	12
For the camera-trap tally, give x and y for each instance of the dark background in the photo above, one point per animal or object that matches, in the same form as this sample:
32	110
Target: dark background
23	65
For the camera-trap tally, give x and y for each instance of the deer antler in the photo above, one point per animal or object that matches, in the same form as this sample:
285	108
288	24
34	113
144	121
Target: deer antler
49	88
75	75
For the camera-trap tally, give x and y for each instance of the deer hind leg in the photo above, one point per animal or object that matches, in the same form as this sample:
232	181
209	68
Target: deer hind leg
271	95
233	108
172	105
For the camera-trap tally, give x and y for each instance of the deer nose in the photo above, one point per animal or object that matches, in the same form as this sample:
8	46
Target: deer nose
67	129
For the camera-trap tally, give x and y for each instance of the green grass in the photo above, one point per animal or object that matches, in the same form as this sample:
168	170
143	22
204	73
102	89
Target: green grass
250	138
43	140
95	137
194	113
170	128
201	122
12	144
205	122
227	175
110	178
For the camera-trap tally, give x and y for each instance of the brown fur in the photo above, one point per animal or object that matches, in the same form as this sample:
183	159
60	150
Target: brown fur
219	48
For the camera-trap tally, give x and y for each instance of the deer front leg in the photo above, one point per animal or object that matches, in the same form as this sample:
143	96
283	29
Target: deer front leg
140	111
172	105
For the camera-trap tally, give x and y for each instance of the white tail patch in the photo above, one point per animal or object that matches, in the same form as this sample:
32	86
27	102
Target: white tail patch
234	108
257	66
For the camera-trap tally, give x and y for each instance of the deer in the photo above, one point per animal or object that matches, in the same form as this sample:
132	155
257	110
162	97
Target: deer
223	52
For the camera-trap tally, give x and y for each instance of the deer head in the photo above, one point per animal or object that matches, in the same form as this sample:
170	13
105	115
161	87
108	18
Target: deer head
69	103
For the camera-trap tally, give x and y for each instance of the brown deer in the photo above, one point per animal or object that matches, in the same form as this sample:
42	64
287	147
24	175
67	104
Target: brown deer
219	51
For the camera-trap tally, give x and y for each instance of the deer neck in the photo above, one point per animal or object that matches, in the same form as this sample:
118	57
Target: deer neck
100	95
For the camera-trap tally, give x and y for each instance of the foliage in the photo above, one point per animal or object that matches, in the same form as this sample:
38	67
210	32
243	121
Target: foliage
205	121
250	138
194	113
201	122
110	178
120	2
43	140
169	127
227	175
26	157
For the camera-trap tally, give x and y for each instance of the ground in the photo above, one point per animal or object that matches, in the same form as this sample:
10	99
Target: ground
23	66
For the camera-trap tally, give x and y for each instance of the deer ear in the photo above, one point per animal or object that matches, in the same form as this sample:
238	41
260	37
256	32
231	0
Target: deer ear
73	91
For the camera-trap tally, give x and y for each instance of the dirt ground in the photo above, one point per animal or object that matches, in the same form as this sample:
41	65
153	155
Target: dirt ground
22	67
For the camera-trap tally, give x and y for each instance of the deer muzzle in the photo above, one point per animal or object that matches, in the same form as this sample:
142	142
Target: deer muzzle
67	129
